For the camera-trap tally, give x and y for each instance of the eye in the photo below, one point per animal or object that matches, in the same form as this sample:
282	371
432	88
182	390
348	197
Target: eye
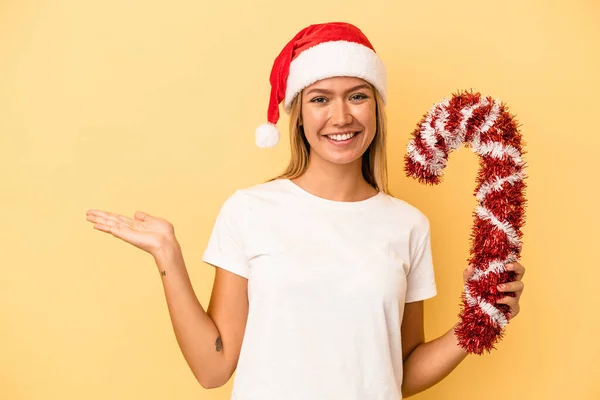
318	100
359	96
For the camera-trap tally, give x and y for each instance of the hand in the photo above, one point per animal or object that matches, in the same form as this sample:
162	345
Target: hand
144	231
515	287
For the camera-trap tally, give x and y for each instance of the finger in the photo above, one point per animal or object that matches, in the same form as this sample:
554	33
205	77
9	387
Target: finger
102	217
102	214
513	304
104	225
125	219
508	300
468	272
515	286
517	268
513	311
106	221
117	229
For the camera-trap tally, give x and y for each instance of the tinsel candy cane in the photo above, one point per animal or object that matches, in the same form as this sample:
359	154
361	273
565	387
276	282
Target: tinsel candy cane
486	126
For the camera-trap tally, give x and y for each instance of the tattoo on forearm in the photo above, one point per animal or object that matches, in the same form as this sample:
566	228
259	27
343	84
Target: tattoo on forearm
164	273
219	344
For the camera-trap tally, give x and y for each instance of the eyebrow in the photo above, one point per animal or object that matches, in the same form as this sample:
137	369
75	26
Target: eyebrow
327	91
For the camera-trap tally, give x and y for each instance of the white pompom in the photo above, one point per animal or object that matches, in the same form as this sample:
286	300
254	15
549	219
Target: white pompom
267	135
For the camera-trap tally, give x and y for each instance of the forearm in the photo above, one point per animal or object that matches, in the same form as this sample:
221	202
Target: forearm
195	331
431	362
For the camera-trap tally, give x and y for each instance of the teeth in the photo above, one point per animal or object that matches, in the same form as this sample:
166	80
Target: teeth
345	136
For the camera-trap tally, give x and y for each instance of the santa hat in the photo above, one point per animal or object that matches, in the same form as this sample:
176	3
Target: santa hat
317	52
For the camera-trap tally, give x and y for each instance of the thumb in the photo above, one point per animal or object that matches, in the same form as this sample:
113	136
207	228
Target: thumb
141	216
469	272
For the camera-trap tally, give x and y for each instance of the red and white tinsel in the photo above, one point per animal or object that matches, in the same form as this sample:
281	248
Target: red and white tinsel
486	126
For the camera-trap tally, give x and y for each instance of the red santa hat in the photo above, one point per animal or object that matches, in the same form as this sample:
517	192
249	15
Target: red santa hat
317	52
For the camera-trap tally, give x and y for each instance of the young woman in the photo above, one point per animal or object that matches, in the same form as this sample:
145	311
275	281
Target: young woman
320	273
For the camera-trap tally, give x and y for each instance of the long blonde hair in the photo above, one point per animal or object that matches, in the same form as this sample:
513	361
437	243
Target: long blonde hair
374	160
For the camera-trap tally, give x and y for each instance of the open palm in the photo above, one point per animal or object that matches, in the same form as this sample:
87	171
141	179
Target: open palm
143	231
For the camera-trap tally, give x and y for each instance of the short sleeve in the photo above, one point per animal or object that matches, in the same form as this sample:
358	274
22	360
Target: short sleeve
420	278
225	248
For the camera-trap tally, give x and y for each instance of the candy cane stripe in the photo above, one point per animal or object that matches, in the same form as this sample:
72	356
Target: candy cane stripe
430	136
491	117
496	184
487	308
505	227
467	113
494	266
417	157
498	150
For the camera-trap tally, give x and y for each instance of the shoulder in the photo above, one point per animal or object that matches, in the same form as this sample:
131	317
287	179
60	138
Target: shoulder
269	188
401	211
267	191
258	194
408	220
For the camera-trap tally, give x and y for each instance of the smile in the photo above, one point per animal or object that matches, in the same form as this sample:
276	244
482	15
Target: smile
342	138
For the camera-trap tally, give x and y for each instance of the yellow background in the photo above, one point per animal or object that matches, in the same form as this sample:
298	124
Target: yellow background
152	105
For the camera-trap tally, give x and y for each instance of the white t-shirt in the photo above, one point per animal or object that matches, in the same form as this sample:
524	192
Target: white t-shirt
327	284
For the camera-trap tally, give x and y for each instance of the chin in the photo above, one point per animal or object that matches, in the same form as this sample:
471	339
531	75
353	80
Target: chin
340	159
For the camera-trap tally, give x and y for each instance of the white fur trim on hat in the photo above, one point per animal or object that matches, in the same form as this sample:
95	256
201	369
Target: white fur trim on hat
336	58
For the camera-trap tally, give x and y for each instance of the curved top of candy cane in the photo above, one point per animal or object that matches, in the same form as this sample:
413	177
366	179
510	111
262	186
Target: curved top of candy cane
471	119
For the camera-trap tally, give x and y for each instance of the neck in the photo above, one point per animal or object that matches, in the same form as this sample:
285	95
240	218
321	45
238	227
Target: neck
335	182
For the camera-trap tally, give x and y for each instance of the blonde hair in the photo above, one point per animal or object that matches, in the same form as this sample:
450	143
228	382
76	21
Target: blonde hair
374	160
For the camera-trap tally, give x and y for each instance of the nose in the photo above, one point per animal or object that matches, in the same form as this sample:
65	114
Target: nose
340	114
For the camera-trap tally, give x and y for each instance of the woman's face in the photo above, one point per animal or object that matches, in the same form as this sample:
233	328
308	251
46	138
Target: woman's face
339	118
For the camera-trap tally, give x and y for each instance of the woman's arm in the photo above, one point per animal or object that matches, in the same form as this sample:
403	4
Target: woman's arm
209	340
427	363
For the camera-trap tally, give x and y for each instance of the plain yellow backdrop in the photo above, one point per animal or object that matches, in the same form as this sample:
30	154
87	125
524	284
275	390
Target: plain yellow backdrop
130	105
